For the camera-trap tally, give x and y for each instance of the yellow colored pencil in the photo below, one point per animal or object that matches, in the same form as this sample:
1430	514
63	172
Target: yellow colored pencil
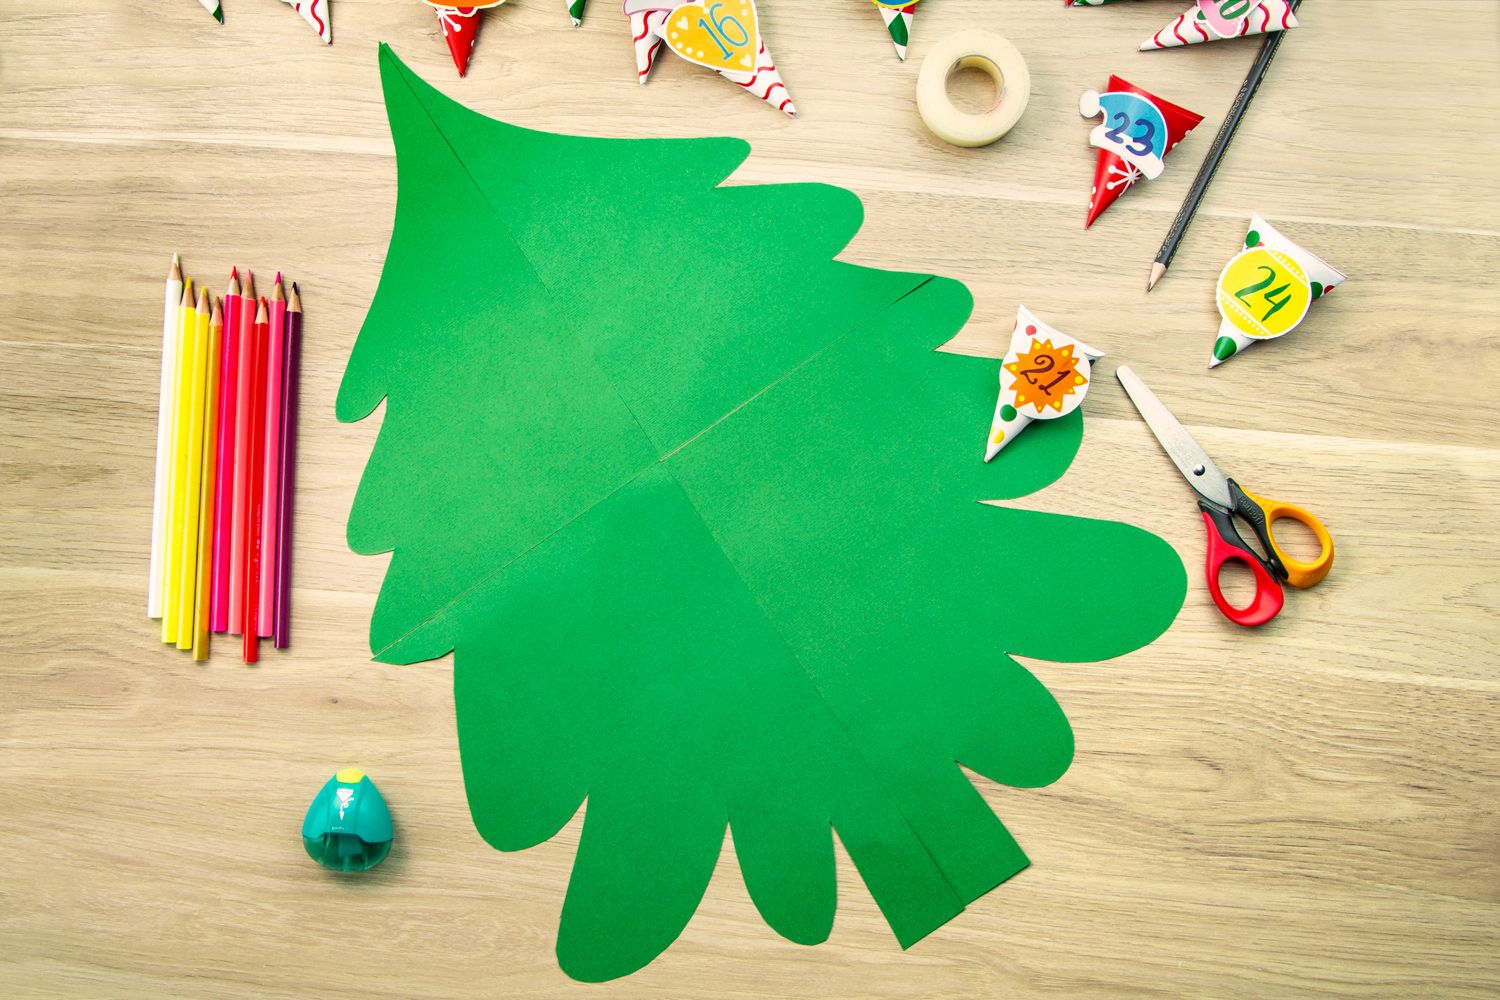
187	572
206	494
187	326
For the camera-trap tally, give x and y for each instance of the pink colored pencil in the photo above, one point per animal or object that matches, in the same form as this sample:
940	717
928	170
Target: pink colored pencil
271	461
290	352
223	500
243	425
262	334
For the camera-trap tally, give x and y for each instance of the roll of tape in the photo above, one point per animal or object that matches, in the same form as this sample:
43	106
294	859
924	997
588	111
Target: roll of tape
977	50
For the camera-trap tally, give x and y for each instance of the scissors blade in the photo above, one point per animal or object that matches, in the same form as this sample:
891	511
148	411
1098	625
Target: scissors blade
1191	460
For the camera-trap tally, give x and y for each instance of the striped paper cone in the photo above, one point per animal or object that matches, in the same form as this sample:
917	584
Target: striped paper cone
1214	20
898	25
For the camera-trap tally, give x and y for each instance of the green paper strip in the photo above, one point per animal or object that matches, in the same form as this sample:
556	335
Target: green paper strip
695	507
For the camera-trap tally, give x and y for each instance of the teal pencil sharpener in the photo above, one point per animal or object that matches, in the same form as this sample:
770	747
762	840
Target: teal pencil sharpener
348	827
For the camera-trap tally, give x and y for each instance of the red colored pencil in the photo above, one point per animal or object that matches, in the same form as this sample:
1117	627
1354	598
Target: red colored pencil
240	495
223	500
271	461
288	459
257	454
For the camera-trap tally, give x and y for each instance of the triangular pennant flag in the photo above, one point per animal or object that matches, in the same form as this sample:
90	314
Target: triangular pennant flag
724	37
1213	20
1266	289
315	13
1045	375
898	17
1138	131
460	29
575	10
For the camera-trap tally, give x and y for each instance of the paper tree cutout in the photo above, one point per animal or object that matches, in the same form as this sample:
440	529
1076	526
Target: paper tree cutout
1213	20
1044	375
898	18
575	10
1138	131
701	528
460	27
723	35
1266	290
316	14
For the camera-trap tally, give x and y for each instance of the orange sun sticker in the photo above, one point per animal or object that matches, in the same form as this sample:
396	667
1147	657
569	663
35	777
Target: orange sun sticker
1045	376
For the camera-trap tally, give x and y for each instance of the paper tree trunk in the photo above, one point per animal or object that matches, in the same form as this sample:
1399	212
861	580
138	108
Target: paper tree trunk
695	507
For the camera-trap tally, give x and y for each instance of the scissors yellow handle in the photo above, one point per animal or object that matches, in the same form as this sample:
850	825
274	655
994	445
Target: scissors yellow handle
1299	573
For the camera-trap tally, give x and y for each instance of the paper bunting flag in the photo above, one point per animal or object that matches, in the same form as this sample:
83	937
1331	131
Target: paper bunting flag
1212	20
315	13
1266	290
897	18
460	29
723	35
1087	3
575	10
1138	131
1044	375
214	8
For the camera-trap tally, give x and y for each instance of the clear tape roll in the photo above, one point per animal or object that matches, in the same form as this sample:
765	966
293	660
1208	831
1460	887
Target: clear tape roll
980	50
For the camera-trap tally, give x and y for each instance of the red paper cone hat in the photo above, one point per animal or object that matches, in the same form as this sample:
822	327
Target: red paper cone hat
460	28
1112	173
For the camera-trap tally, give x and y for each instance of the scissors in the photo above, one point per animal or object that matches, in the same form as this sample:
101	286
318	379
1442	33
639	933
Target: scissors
1222	499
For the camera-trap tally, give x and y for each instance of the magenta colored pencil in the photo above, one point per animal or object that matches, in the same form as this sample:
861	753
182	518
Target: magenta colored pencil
244	395
270	482
229	367
290	350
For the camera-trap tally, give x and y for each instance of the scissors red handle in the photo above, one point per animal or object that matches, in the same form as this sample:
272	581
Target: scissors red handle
1226	545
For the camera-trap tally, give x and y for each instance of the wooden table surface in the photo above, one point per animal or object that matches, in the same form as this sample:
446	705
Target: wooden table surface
1310	810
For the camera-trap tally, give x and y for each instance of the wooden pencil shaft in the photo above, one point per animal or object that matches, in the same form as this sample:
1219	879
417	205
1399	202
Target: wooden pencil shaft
1220	144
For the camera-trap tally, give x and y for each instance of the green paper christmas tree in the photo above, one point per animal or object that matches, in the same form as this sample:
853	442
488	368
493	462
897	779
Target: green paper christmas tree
696	507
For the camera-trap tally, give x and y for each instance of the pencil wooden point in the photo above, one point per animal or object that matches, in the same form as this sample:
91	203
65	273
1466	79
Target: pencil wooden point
249	291
176	273
1157	270
187	294
278	293
295	305
217	318
261	315
278	277
234	282
202	299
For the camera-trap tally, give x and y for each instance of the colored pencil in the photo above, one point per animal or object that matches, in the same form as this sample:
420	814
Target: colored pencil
187	328
243	425
1215	154
257	452
223	495
271	461
197	397
288	462
207	518
164	435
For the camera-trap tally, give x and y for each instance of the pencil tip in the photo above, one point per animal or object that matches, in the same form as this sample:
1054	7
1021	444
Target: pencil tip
1157	270
278	277
176	273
